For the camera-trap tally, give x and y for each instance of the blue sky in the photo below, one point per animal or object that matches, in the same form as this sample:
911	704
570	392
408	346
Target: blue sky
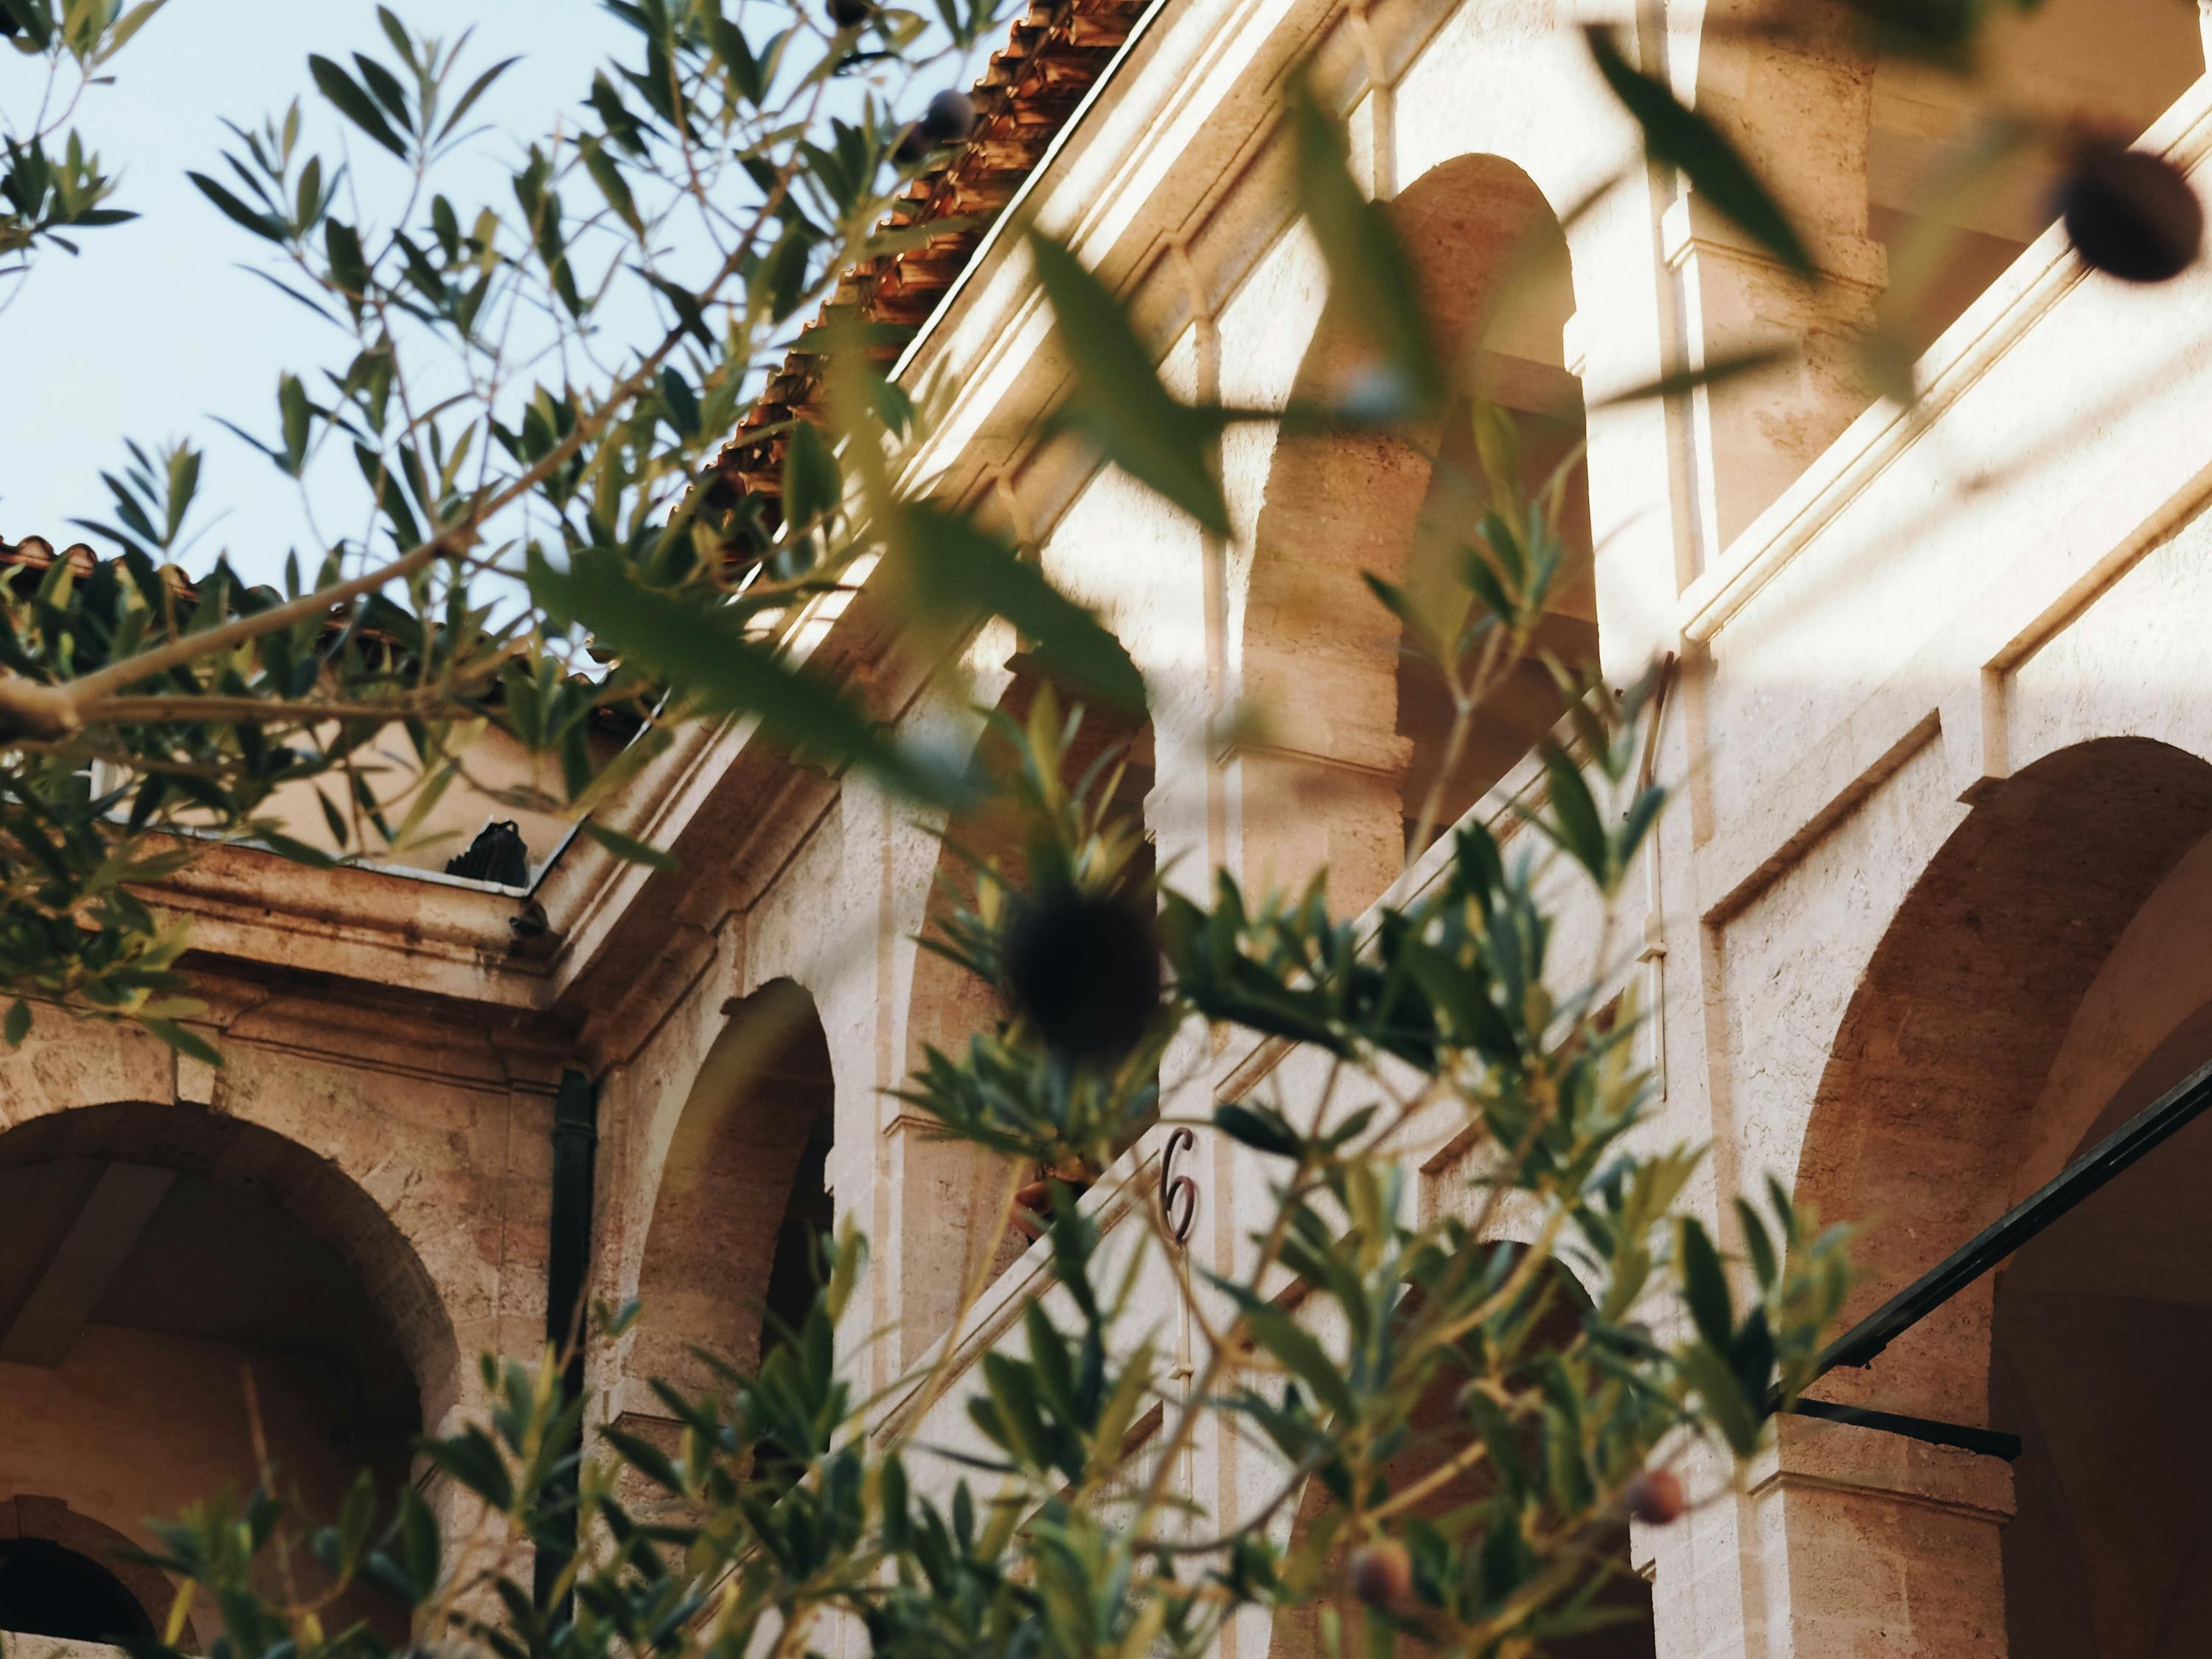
154	330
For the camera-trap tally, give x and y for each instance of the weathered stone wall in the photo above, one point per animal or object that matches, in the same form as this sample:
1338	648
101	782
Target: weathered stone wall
1927	916
414	1151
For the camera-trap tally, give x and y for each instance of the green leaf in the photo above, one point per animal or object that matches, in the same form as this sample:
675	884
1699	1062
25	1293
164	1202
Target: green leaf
629	848
130	22
1301	1353
1757	1245
1370	279
1678	137
680	401
184	1039
1411	615
18	1024
266	225
355	1515
417	1537
384	85
1704	1285
471	1458
298	852
699	644
354	103
647	1459
812	485
295	415
1709	1372
1265	1132
480	86
348	265
34	18
612	186
1713	372
1752	1358
952	567
1574	822
1118	402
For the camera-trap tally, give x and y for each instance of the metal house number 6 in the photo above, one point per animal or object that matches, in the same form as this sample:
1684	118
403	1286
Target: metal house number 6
1178	1192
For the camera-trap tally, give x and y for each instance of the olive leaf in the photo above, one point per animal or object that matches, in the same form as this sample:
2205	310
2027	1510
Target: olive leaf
1370	277
698	644
950	568
1678	136
1118	402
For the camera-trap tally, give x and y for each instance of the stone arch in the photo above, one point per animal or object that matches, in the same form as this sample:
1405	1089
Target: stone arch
1921	1120
156	1258
740	1191
1353	729
949	1191
27	1518
2102	1320
312	1191
2040	982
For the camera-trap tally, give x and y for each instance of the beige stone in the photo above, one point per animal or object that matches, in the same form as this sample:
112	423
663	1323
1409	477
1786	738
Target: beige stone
1928	919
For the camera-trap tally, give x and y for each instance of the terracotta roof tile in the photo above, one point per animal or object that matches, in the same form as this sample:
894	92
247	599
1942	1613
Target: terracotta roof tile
1053	55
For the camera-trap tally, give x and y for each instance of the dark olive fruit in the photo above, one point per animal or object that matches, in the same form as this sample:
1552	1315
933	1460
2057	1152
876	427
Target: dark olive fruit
914	147
2130	215
950	118
1033	1208
849	14
1381	1573
1085	972
1375	394
1033	1204
1655	1496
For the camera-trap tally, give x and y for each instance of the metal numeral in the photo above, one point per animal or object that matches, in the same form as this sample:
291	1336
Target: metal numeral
1178	1192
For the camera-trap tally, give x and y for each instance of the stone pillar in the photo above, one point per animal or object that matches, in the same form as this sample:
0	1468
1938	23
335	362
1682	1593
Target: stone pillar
1871	1544
946	1196
1799	109
1300	809
1754	435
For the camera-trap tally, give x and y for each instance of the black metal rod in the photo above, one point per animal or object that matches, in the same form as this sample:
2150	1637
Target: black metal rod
1989	1443
2171	1112
567	1261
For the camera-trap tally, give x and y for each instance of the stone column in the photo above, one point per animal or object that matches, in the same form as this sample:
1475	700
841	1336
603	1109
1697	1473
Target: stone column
1871	1544
1754	435
945	1195
1338	806
1799	109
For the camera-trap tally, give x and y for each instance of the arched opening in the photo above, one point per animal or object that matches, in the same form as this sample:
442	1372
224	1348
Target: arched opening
1355	730
1438	1428
2042	981
742	1203
2102	1326
2113	66
67	1575
175	1286
48	1591
809	1219
950	1191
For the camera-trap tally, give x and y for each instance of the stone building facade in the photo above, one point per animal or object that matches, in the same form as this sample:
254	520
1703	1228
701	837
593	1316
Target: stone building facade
1928	919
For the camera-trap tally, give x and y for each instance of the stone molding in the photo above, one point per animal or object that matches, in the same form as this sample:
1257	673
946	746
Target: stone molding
51	1520
1968	350
1811	1453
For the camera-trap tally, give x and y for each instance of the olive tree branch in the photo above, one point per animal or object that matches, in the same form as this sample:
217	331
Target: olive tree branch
38	709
